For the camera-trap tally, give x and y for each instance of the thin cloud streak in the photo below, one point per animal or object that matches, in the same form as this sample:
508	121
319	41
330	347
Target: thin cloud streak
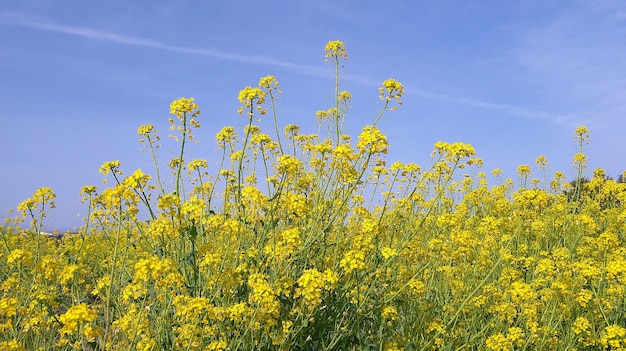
508	109
89	33
20	19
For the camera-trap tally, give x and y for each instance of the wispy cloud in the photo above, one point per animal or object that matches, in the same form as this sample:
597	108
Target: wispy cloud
20	19
510	110
579	60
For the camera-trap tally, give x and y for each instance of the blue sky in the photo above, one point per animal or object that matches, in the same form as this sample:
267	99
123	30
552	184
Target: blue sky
514	79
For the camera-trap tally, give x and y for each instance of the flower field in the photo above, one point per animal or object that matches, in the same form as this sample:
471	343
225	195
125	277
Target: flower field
315	242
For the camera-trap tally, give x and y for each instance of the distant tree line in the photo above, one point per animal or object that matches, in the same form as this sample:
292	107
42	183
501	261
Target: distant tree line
601	189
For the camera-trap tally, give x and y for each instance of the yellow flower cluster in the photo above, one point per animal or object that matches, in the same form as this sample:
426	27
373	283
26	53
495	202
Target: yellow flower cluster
391	89
250	98
336	49
77	318
183	106
372	141
312	284
314	242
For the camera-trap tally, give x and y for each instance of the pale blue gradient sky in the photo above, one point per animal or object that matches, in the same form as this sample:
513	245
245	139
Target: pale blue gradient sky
514	79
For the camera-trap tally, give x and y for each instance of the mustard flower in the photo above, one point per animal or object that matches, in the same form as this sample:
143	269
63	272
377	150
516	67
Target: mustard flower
542	163
183	106
516	336
296	204
88	190
321	115
137	180
265	297
197	164
17	256
41	197
175	162
268	82
391	89
581	325
112	167
345	96
312	284
581	135
75	317
168	201
9	306
11	345
580	160
388	252
288	164
250	97
523	170
390	313
285	245
145	129
353	260
193	209
336	49
498	342
371	140
613	336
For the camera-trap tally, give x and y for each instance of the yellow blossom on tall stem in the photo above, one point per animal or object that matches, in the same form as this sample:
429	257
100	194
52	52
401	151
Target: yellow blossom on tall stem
186	110
251	99
270	84
336	49
391	90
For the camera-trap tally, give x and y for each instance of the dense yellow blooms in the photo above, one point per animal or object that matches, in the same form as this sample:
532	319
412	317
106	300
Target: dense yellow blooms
319	242
371	141
312	284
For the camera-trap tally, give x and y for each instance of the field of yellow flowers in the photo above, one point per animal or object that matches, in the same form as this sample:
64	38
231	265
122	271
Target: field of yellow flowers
314	242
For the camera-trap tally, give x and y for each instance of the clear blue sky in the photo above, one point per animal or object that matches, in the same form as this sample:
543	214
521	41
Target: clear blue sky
512	78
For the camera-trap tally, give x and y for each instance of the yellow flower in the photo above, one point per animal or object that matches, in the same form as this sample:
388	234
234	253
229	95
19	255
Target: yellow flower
581	325
542	163
516	336
225	136
137	180
197	164
523	170
388	252
391	89
110	167
353	260
390	313
249	97
344	95
11	345
336	49
581	135
183	106
580	160
75	317
268	82
17	256
193	209
498	342
371	140
145	129
9	306
614	336
312	283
